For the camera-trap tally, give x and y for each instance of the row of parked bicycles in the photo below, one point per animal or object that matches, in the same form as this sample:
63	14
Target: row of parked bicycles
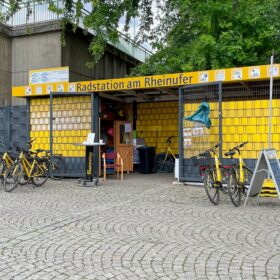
22	165
233	179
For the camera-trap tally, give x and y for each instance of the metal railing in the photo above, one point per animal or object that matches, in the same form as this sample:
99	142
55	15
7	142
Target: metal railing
39	12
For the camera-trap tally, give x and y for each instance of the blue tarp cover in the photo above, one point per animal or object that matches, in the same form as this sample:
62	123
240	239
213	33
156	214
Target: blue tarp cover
201	115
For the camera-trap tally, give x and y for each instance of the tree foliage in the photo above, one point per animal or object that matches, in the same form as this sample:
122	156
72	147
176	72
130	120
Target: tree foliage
188	34
211	34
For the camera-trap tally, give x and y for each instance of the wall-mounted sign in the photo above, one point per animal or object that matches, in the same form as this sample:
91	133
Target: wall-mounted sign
187	132
27	90
60	88
145	82
39	90
254	72
275	71
49	89
236	74
71	87
187	142
203	77
220	75
50	75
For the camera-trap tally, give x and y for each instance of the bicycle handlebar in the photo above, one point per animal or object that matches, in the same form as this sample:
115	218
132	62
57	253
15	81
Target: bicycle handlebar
239	146
231	152
169	139
213	149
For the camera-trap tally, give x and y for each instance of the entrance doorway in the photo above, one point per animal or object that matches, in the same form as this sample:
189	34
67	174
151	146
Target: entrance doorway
116	130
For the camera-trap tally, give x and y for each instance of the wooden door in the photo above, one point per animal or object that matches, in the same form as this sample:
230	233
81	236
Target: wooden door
124	143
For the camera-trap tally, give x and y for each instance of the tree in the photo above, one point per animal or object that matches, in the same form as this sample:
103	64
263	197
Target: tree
189	34
215	34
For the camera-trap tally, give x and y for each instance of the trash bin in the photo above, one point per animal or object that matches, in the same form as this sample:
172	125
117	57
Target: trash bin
146	156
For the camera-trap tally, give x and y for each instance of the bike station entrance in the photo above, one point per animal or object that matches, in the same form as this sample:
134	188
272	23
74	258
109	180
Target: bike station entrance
149	108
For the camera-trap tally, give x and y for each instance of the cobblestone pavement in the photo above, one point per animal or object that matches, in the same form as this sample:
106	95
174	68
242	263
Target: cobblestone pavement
142	228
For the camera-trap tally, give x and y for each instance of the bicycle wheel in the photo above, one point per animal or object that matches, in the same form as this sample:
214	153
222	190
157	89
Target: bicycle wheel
24	179
211	190
234	190
40	173
58	168
2	170
163	163
248	173
12	177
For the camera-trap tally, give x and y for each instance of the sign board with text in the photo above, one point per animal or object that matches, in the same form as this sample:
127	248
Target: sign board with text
267	164
41	82
49	75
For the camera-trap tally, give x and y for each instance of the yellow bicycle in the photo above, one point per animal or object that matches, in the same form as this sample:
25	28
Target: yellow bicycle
239	176
164	162
35	169
214	174
6	161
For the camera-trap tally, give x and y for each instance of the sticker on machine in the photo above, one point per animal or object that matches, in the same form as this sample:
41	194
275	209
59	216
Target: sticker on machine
49	89
187	132
127	127
60	88
198	131
220	75
71	87
38	90
187	142
275	71
28	90
236	74
203	77
254	72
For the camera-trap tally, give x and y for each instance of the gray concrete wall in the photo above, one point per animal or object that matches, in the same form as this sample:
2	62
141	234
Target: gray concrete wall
21	52
34	52
75	54
31	52
5	69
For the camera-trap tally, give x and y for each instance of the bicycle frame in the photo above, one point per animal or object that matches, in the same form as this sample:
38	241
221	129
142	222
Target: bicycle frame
241	170
169	151
241	176
217	166
28	168
7	159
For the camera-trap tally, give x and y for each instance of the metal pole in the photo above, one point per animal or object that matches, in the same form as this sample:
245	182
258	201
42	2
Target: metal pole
270	102
95	129
28	118
220	121
181	148
51	129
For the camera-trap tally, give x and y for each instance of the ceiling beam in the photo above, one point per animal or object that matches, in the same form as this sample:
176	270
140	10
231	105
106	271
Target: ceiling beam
110	96
157	98
126	93
169	90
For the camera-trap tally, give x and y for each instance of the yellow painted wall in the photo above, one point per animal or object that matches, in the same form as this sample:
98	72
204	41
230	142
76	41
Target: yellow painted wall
156	121
72	120
242	121
207	138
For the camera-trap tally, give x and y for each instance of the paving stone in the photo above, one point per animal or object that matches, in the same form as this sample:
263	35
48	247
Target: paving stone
141	228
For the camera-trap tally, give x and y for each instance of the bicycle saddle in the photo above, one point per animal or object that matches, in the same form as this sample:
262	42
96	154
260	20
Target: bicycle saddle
229	153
